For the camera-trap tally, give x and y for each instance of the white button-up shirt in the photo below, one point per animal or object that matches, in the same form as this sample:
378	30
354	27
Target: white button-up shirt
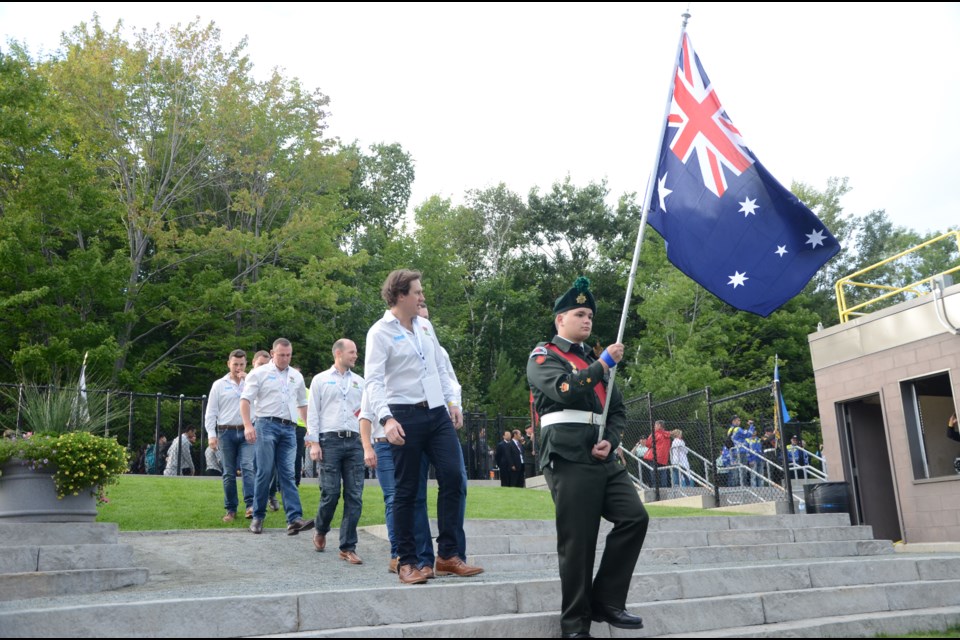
223	405
404	367
334	403
457	388
276	394
366	413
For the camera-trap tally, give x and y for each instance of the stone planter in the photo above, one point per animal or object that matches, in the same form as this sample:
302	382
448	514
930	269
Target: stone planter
27	495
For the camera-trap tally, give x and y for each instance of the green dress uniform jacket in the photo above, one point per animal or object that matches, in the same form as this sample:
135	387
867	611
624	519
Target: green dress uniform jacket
584	489
557	384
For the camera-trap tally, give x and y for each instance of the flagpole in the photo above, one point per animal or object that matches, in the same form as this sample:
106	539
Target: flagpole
648	196
778	425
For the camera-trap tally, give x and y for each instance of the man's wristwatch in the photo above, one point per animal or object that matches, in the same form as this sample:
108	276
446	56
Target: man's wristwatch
383	420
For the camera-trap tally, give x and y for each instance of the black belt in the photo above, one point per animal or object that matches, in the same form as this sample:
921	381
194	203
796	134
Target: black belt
380	440
415	405
233	427
340	434
281	421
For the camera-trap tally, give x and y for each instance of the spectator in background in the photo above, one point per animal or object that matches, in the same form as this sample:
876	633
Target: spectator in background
518	476
679	460
726	475
214	466
529	454
740	451
797	459
755	458
508	460
658	443
154	455
179	457
771	453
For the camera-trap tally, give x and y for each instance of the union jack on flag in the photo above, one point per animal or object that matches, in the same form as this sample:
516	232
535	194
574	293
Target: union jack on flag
700	124
728	224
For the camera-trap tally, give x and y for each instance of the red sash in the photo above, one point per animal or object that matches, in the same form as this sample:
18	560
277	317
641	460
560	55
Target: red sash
580	364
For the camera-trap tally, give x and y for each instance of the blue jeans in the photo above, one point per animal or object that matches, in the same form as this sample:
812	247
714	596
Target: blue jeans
276	447
235	452
430	432
421	523
680	480
342	462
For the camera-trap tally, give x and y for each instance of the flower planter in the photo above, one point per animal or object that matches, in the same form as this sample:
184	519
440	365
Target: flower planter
28	495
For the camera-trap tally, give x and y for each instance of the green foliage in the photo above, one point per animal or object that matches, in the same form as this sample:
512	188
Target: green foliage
56	410
160	206
81	461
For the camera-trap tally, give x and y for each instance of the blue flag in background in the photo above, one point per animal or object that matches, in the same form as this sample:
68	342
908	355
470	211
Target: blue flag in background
728	224
784	414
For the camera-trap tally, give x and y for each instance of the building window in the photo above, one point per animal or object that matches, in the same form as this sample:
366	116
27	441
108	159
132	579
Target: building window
927	406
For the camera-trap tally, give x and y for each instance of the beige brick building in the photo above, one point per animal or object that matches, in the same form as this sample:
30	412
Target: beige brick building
887	383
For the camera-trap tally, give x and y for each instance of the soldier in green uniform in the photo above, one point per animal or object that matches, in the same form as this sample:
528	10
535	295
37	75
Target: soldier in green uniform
569	391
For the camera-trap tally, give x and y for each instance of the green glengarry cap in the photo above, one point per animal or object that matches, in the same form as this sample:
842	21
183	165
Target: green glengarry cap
577	296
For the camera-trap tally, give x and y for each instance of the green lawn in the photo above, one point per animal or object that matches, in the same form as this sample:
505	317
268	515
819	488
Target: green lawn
148	503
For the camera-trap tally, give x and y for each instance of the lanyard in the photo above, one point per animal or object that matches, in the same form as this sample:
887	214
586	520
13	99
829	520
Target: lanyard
418	346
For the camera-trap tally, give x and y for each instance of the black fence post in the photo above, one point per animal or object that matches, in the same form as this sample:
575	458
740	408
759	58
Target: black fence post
180	435
713	448
130	426
157	460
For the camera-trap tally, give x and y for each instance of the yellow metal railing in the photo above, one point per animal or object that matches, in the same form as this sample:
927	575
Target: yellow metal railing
916	288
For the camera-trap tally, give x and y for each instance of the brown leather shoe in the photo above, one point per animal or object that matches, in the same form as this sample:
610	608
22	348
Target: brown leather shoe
427	572
392	567
298	525
456	567
230	517
350	557
249	514
319	541
257	525
409	574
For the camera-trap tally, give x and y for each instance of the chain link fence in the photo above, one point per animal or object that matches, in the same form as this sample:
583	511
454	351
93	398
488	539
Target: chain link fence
696	453
137	420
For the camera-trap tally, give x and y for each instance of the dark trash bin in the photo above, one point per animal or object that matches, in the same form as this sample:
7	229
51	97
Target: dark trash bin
828	497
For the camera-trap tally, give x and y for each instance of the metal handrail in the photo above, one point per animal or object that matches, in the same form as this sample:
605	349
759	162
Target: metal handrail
846	311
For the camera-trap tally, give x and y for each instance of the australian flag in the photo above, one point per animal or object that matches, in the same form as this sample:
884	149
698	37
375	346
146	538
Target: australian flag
727	222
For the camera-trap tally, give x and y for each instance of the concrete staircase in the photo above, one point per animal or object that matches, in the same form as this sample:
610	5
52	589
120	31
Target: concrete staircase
55	559
722	576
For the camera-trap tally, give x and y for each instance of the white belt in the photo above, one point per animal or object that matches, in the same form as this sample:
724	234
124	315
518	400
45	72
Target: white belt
570	415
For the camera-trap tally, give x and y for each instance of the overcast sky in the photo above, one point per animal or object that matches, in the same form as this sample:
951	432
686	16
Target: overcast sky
527	94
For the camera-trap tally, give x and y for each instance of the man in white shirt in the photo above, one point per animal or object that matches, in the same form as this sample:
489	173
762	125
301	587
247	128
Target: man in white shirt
410	393
333	438
280	396
225	432
424	314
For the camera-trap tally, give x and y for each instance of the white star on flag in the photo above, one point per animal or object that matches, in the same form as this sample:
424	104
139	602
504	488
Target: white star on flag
815	238
748	207
663	192
738	279
781	250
